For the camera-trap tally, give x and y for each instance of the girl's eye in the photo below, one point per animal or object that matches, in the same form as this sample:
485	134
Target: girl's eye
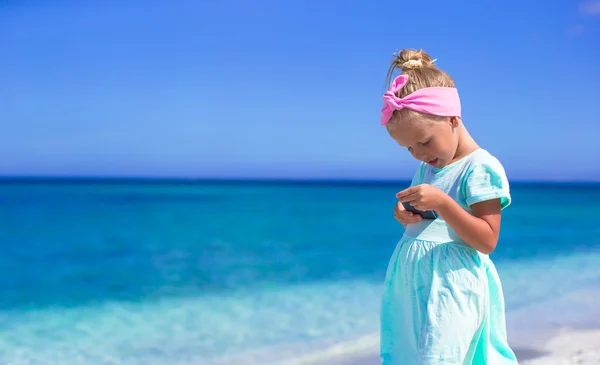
425	143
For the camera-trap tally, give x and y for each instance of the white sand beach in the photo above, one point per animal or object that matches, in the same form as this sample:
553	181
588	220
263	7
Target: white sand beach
567	347
570	347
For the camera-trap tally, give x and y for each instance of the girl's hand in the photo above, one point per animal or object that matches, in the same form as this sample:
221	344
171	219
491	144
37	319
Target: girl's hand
404	216
423	197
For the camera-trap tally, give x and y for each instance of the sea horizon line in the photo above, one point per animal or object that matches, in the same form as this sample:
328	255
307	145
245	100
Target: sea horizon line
64	179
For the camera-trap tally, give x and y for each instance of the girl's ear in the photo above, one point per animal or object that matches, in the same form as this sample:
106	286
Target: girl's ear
454	122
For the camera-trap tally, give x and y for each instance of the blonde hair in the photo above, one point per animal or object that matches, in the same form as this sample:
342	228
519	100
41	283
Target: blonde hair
422	73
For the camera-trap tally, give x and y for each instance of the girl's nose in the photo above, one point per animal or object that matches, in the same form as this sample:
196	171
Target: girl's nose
418	154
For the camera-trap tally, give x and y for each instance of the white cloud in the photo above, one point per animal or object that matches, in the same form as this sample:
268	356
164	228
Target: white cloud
576	30
591	7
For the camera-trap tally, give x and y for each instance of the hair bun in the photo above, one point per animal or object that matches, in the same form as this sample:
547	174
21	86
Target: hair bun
407	65
409	59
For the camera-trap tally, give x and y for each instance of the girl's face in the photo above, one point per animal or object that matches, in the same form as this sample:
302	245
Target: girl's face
432	142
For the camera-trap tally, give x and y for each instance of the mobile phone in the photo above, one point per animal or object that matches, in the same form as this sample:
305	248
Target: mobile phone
426	214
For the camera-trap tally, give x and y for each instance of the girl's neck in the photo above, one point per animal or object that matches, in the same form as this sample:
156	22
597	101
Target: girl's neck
466	144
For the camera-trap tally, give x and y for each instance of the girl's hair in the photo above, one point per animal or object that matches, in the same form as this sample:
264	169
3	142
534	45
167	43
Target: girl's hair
422	73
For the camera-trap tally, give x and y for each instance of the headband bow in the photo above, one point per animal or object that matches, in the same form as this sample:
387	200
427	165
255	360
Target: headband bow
441	101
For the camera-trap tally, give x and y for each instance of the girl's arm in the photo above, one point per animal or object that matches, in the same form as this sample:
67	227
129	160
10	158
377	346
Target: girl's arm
481	229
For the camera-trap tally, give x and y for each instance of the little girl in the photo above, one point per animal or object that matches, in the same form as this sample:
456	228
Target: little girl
443	301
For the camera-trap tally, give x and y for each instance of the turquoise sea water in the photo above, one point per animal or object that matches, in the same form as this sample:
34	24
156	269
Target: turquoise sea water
249	273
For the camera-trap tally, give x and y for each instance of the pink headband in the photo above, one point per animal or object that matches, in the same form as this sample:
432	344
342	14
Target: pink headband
442	101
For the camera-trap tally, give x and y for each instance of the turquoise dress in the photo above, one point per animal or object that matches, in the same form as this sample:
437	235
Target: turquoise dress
443	300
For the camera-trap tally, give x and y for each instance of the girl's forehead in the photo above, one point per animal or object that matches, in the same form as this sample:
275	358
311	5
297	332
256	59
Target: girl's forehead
415	130
419	129
411	132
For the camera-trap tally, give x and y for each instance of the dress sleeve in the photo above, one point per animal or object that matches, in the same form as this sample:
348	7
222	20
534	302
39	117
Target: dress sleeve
486	180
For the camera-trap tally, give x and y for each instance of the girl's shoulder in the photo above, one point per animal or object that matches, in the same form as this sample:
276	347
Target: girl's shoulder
484	178
482	157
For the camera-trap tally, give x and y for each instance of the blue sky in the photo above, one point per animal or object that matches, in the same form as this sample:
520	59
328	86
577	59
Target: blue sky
287	89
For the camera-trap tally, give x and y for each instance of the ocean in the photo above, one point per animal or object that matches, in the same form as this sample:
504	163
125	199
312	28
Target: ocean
248	273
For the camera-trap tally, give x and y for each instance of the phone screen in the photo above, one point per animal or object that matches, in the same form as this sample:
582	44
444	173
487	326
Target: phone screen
426	214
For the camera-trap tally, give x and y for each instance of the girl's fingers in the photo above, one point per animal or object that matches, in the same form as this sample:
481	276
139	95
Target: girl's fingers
407	214
408	217
408	198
